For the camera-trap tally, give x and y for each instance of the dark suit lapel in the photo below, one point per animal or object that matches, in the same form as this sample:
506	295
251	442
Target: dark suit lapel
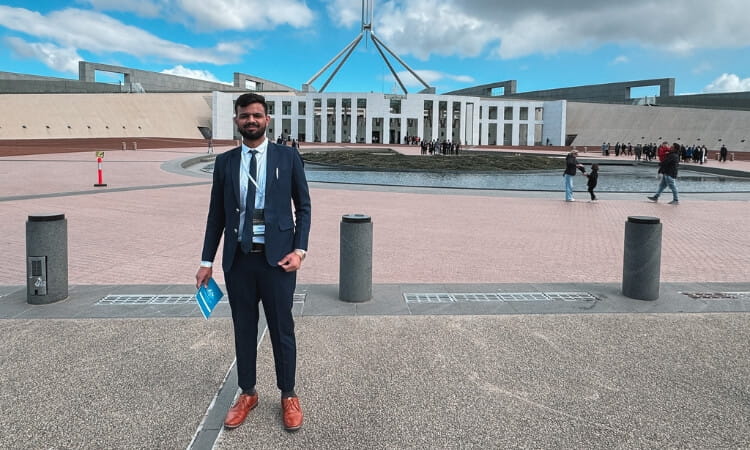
272	163
234	172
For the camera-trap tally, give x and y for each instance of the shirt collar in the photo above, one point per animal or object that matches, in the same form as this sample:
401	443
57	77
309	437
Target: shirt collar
261	148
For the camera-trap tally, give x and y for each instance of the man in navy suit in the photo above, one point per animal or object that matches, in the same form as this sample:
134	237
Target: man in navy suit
265	242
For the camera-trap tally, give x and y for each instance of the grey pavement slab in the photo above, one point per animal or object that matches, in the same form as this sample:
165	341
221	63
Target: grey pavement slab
512	381
109	383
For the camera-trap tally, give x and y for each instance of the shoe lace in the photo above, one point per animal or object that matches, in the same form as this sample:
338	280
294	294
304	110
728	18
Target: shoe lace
291	404
244	400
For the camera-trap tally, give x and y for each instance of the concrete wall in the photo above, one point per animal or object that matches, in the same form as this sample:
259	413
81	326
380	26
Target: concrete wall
595	123
607	92
135	79
40	116
726	100
18	83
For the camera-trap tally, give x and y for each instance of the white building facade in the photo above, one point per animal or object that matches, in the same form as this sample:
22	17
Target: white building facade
371	118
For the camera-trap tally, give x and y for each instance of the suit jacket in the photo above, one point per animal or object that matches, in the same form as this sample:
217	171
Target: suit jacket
285	185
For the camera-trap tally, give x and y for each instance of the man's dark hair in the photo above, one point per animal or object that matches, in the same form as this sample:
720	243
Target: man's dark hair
248	99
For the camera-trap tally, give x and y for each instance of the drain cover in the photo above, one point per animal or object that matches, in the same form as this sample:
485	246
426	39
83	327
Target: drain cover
719	295
155	299
146	299
498	297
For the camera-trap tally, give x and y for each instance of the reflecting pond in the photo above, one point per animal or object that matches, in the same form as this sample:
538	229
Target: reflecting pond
612	178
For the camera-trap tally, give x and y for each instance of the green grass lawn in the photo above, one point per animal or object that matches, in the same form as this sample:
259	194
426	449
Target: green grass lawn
383	159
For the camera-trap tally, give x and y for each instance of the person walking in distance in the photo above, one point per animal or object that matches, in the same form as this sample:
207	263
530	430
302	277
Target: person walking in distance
723	153
571	164
265	241
668	170
593	178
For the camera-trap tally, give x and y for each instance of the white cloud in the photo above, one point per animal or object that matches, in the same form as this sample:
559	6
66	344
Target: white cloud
517	29
245	14
702	67
101	34
344	13
622	59
61	59
182	71
728	82
424	27
431	77
144	8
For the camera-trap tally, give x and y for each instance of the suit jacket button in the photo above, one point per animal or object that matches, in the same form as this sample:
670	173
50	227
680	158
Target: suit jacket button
235	231
237	210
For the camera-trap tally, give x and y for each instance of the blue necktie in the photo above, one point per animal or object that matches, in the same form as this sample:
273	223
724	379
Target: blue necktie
247	232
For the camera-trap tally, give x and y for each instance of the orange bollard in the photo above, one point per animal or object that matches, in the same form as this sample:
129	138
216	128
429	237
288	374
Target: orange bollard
101	177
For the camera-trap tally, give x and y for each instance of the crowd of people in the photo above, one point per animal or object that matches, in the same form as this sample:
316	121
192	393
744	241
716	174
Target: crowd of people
435	147
648	152
282	140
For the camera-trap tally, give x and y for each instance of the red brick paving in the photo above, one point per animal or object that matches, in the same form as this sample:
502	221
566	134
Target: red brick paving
154	236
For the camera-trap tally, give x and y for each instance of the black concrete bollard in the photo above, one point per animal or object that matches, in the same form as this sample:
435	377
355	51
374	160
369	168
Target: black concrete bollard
355	262
46	258
642	258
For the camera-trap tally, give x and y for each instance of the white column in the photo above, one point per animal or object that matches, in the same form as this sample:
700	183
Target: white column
485	121
294	117
324	119
404	125
353	120
420	121
435	118
368	122
462	122
276	118
385	133
309	119
337	118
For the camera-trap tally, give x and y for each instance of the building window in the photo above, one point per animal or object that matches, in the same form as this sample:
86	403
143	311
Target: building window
523	134
538	113
508	113
395	106
524	113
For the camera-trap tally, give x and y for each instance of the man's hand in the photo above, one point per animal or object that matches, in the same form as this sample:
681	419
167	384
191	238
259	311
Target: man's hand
291	262
202	277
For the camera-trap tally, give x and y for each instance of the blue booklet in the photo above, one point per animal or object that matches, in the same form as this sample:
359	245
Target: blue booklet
208	297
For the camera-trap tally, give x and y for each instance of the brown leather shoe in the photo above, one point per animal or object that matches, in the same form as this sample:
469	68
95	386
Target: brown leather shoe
239	411
292	413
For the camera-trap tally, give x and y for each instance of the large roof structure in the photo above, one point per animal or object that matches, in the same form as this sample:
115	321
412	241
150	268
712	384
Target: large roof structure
365	32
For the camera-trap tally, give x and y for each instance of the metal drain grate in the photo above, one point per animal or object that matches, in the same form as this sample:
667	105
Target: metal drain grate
719	295
154	299
146	299
498	297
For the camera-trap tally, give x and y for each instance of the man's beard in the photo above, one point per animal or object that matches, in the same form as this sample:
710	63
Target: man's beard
252	135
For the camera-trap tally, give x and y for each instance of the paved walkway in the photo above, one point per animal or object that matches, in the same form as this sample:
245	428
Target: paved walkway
552	368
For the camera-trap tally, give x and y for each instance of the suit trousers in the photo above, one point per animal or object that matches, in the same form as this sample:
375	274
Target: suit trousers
249	281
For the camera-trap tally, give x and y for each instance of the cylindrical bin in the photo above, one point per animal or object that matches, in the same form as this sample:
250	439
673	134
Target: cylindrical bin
355	262
46	258
642	258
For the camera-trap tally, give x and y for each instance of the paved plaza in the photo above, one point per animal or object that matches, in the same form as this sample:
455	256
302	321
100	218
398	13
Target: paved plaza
497	319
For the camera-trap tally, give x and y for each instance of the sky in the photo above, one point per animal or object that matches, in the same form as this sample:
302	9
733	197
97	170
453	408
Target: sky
451	44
